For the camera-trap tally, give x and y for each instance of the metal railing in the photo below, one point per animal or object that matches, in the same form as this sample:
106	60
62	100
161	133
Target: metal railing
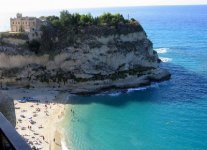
9	138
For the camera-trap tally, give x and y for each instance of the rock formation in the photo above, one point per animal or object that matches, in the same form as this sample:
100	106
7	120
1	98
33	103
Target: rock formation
99	59
7	108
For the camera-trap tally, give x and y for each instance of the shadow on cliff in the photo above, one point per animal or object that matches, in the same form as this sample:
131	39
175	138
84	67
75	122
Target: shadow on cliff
185	86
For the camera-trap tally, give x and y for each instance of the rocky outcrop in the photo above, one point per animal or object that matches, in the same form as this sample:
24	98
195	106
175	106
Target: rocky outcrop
87	88
7	108
95	62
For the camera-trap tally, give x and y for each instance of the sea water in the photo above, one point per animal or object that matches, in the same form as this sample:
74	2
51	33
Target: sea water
167	116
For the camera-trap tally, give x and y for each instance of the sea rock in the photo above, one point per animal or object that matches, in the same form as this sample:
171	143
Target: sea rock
101	59
7	108
159	75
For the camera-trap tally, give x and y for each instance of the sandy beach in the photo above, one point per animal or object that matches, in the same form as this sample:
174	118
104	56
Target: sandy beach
40	122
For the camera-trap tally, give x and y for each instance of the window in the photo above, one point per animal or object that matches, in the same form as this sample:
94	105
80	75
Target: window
13	22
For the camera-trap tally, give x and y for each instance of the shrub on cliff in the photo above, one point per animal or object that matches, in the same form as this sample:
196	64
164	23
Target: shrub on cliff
48	35
87	19
67	19
34	46
111	19
64	31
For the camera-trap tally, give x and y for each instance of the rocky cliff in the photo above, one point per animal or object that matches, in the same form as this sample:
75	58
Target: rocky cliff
99	59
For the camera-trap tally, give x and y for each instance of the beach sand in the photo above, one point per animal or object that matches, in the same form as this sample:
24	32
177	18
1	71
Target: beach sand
40	123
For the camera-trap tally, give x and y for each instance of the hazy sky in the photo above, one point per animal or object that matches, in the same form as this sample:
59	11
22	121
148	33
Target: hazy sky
34	5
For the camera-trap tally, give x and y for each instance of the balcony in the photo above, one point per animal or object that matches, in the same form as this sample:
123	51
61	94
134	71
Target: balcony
9	138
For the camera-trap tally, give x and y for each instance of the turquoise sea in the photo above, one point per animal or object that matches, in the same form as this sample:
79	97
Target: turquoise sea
167	116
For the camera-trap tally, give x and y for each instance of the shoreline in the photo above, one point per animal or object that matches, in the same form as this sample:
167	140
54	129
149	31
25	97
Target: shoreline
99	86
96	87
40	123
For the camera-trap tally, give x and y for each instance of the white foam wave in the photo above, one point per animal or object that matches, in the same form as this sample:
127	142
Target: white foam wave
164	59
155	85
63	145
162	50
136	89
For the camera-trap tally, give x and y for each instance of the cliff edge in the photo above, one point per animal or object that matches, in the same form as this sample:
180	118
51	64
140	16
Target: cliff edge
100	58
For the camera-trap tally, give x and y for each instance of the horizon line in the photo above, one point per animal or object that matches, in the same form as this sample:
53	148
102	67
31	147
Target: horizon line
75	8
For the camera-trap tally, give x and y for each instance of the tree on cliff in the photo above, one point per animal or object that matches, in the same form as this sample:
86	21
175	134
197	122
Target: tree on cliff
63	31
67	19
112	19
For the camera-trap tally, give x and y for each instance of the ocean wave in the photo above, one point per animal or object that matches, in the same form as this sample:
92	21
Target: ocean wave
129	90
165	59
137	89
162	50
155	85
63	145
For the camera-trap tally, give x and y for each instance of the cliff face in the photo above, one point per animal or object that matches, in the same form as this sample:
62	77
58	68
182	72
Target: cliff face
94	62
108	55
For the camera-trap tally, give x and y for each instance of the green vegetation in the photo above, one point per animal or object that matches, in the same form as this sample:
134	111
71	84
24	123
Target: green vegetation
71	29
68	19
34	46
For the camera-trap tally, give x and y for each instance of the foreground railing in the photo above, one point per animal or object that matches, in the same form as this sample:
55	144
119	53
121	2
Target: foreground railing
9	138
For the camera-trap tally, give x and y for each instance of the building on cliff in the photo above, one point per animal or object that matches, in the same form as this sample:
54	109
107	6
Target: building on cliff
25	24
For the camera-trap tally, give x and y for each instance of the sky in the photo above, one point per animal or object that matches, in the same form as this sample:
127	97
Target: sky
9	8
38	5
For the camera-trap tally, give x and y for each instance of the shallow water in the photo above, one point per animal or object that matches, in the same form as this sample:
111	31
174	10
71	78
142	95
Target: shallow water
164	116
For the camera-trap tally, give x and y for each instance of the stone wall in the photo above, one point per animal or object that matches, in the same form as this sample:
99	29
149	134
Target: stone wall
25	24
7	108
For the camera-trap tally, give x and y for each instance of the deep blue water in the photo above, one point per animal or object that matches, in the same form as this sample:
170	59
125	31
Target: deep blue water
167	116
